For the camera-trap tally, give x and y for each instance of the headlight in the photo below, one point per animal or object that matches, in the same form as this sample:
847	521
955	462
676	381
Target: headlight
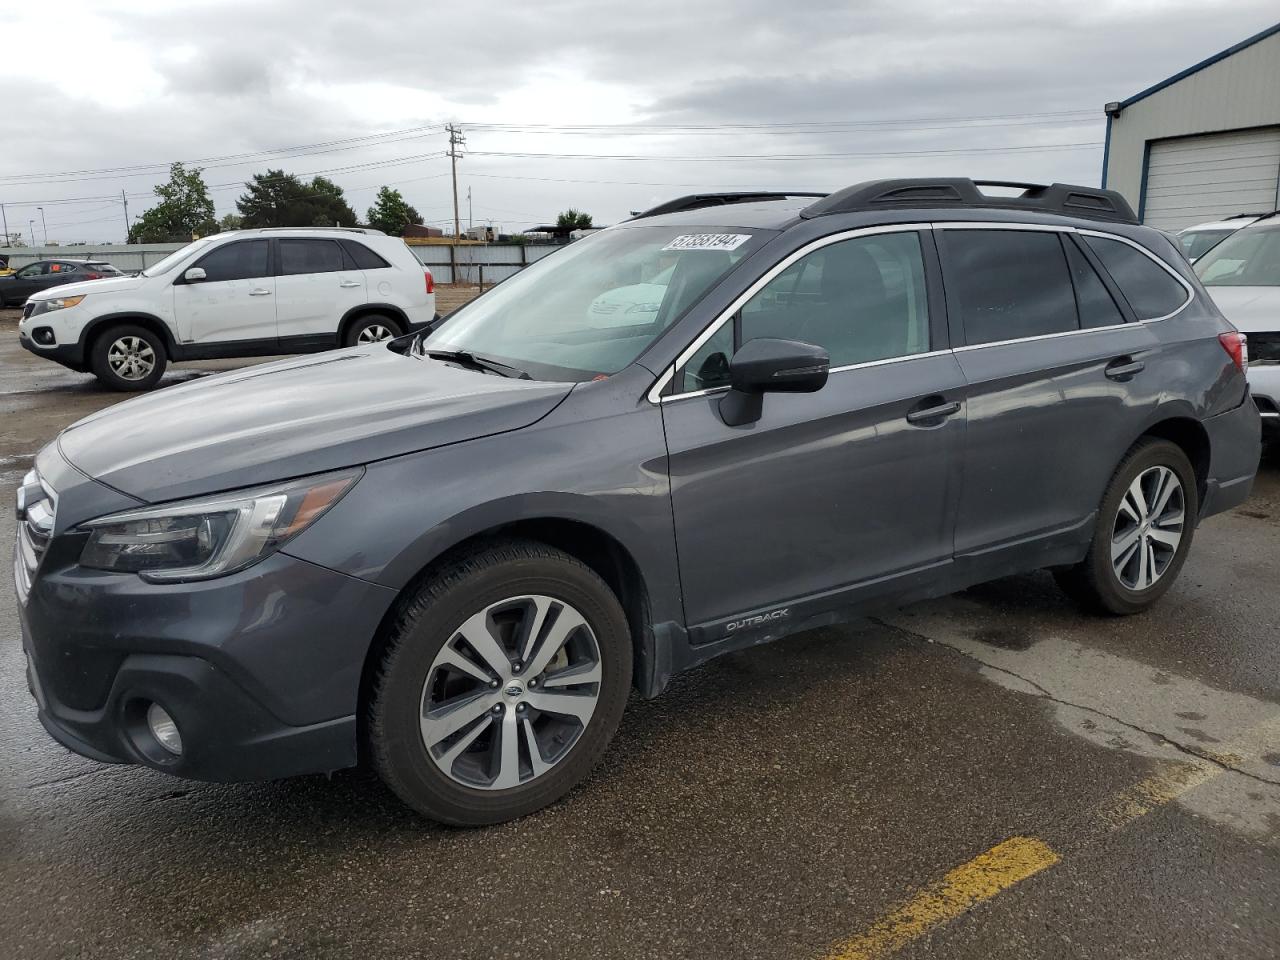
57	303
211	536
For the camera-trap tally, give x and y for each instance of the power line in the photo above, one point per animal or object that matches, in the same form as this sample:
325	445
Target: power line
720	158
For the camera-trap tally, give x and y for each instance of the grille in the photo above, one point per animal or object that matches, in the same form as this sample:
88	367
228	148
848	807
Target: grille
1263	347
36	504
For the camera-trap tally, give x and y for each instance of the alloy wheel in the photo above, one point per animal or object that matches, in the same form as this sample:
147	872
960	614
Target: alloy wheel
1148	528
131	358
373	333
511	692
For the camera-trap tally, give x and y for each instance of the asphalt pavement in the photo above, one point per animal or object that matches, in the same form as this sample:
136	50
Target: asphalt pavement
990	775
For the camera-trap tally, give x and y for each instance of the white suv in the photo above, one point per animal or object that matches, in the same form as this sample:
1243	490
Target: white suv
245	293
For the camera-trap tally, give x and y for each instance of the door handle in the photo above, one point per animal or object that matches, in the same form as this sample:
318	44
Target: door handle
1124	368
349	283
259	292
937	411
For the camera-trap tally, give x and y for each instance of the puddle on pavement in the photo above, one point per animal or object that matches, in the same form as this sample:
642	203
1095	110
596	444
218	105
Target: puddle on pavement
1233	740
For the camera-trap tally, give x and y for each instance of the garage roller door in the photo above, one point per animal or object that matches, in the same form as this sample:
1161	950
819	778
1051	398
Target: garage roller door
1194	179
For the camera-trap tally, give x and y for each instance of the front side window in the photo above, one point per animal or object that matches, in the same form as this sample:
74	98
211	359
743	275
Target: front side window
309	256
1149	288
594	306
861	299
1008	284
1251	258
34	270
242	260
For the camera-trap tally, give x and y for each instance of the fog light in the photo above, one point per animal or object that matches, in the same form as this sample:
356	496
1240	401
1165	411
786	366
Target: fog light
164	729
43	336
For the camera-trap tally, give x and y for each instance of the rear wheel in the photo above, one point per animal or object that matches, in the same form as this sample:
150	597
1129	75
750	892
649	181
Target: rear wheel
1142	534
128	358
371	329
503	683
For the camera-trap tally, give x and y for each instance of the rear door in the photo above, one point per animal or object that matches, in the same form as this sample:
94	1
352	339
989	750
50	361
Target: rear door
317	284
1050	355
234	302
830	495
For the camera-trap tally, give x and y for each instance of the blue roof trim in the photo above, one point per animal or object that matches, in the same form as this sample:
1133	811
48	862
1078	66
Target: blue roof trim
1195	68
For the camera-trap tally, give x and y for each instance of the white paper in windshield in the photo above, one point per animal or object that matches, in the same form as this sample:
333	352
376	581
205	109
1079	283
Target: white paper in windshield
708	241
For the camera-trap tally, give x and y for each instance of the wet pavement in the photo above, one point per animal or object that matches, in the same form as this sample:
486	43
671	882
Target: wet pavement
990	775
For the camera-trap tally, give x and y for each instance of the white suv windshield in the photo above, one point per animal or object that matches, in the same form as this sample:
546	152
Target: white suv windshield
593	307
1249	258
177	256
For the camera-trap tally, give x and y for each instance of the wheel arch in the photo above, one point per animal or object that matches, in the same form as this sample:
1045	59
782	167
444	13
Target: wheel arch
364	310
1189	434
589	543
96	327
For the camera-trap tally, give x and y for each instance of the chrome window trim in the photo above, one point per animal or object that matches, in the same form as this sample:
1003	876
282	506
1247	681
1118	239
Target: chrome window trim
655	391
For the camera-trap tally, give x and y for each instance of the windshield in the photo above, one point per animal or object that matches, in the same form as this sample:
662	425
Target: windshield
578	313
168	262
1196	243
1249	258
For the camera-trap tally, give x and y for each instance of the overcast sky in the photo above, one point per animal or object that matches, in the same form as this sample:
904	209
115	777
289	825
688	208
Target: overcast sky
692	88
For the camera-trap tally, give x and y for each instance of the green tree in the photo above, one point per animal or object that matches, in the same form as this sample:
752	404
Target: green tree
573	219
184	210
391	214
279	199
231	221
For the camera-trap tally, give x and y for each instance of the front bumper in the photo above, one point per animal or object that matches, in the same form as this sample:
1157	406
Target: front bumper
260	670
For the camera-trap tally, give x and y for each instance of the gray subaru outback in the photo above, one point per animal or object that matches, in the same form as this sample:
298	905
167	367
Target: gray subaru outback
453	556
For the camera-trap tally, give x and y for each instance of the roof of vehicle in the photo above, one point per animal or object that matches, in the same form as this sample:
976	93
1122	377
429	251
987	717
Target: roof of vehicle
303	231
1236	221
898	200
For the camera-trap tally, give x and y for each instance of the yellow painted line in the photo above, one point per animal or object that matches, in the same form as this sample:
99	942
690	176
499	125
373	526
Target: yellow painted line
960	890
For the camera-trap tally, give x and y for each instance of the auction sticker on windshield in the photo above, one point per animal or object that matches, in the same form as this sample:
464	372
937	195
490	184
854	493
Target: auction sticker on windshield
708	241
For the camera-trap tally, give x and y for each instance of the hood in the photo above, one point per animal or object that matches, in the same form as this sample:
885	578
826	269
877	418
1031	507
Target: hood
296	417
105	285
1250	309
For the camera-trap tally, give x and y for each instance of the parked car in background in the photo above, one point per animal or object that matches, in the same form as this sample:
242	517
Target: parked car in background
243	293
1198	240
4	265
1242	274
25	282
454	555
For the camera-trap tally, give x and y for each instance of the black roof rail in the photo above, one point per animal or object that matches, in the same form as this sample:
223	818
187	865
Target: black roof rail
1063	198
696	201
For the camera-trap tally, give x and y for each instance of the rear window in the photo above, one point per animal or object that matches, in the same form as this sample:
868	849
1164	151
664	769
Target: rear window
1151	290
1009	284
1196	243
362	258
102	268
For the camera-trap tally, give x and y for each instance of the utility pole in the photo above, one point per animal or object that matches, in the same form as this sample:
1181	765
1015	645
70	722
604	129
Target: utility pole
125	200
5	217
44	223
456	140
469	224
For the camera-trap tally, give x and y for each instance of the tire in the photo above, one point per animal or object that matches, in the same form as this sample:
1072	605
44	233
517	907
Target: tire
128	358
511	584
372	327
1145	562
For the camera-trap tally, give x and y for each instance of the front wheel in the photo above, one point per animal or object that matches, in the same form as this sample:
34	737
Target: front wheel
502	684
1143	532
128	358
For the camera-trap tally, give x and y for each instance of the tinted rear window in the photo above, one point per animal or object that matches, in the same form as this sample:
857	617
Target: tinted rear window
1009	284
362	257
309	256
1150	289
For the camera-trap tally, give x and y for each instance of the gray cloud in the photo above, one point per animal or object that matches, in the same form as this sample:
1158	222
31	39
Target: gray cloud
237	77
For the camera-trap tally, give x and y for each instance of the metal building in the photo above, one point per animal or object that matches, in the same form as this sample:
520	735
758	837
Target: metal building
1203	144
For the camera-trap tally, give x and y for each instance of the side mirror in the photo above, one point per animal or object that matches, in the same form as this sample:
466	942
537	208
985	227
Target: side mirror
194	275
770	366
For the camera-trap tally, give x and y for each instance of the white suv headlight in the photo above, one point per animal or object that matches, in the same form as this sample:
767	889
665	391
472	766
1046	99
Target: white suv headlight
211	536
57	303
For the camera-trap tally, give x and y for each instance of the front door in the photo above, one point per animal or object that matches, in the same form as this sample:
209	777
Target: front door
834	495
316	287
234	302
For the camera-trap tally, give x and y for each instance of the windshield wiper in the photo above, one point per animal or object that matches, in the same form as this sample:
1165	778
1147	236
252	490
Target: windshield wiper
477	362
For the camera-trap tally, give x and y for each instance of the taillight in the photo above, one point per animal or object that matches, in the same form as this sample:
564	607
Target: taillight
1237	347
431	281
